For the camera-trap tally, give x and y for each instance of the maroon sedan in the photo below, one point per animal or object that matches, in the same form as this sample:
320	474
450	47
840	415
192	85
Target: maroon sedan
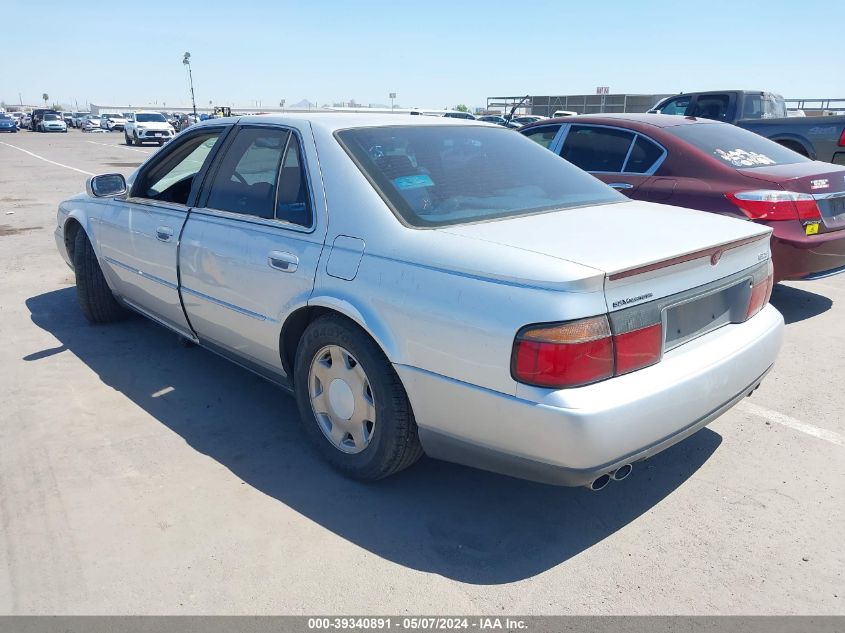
716	167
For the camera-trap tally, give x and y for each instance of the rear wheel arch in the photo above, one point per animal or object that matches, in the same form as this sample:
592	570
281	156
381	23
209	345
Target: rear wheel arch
299	320
795	145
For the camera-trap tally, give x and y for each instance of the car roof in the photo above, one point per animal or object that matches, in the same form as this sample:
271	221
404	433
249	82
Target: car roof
655	120
332	121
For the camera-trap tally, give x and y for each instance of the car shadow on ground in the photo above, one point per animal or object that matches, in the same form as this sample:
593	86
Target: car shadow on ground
797	304
464	524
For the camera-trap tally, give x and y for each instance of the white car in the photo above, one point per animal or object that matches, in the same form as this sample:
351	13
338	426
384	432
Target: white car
78	117
147	127
112	121
52	123
90	123
435	285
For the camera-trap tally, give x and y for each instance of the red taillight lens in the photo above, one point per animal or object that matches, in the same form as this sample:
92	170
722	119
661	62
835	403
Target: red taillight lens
638	349
773	205
582	352
565	355
842	138
761	292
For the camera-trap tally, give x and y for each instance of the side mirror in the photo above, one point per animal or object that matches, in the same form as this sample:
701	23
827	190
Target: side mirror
106	186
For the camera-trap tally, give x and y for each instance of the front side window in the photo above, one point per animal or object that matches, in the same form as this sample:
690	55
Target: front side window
444	175
245	181
171	178
543	135
597	148
677	106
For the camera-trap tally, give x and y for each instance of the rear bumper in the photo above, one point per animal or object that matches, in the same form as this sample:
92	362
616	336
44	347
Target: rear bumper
799	256
570	437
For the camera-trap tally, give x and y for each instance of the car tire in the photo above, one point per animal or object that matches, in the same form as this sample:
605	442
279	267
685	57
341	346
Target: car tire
126	139
333	348
136	140
93	293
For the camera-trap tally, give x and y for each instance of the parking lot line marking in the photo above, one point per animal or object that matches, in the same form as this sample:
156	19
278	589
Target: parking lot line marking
47	160
134	149
785	420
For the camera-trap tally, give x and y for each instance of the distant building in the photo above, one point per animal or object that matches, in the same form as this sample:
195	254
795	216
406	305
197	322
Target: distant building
582	104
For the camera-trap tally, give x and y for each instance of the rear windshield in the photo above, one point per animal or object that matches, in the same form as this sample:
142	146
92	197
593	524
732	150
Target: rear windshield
442	175
763	106
150	117
736	147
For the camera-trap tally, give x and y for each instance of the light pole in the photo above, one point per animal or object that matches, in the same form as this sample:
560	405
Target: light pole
392	97
187	61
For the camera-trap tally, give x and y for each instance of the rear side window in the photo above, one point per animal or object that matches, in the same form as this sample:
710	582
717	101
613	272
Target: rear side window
245	181
763	106
643	156
439	175
712	107
734	146
293	202
543	135
596	148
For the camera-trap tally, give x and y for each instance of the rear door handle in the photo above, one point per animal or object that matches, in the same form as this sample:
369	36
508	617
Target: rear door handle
280	260
164	233
621	185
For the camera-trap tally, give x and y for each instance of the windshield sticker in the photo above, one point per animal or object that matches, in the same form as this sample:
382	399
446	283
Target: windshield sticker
413	182
822	183
743	158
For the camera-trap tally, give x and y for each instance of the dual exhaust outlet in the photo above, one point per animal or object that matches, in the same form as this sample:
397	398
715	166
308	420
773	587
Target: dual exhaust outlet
616	475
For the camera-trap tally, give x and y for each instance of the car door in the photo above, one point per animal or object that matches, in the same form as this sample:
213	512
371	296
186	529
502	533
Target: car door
139	235
622	158
250	250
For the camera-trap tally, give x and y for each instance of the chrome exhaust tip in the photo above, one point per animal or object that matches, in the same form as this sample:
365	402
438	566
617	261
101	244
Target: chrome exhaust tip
599	482
622	472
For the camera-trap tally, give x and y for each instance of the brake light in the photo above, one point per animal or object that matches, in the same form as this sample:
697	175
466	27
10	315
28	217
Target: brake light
582	352
638	349
842	138
774	205
761	292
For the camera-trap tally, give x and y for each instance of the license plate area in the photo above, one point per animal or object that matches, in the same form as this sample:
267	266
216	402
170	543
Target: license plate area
701	314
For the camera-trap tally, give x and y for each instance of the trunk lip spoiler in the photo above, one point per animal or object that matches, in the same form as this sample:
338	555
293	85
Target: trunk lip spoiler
680	259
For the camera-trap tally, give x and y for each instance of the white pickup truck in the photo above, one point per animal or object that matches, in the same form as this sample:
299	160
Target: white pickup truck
147	127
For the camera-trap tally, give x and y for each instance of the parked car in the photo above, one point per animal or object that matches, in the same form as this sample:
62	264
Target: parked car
26	120
18	117
457	114
36	117
819	138
498	120
52	122
186	121
112	121
147	127
78	117
90	122
525	119
715	167
67	117
8	123
499	307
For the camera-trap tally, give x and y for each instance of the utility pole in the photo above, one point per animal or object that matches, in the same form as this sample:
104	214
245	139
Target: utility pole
392	97
187	61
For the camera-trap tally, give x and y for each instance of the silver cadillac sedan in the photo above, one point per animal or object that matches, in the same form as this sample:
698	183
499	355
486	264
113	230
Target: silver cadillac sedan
434	285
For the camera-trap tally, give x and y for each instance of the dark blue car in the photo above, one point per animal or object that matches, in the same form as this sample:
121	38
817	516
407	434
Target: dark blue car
7	123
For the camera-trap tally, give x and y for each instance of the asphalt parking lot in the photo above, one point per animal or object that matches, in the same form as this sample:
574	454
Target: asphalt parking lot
138	476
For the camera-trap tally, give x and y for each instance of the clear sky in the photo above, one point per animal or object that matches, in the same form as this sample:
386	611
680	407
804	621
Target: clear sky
432	53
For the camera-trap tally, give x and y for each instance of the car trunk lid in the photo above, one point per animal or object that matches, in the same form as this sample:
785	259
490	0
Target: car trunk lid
825	182
647	251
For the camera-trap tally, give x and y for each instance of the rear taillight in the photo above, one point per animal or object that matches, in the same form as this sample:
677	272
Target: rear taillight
842	138
761	290
774	205
582	352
